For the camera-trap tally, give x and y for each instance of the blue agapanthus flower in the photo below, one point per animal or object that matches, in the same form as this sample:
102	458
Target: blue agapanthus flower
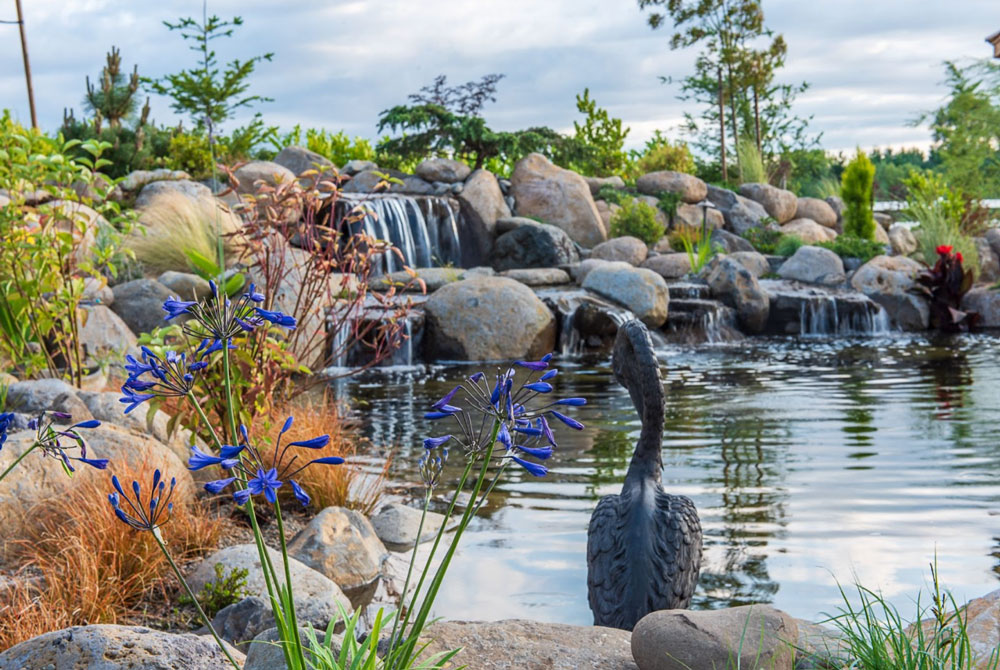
6	421
522	414
59	442
139	514
218	319
170	376
262	475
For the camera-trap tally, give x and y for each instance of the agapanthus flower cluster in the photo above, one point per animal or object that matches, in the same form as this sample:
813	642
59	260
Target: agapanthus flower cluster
57	442
217	320
6	420
170	376
262	475
142	515
522	412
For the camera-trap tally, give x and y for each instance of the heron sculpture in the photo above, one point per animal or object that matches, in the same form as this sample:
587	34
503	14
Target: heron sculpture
643	545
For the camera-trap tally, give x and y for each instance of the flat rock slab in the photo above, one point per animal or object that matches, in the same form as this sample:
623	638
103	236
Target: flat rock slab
517	644
112	647
538	276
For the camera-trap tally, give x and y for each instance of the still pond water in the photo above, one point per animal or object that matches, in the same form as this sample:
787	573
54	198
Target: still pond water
810	462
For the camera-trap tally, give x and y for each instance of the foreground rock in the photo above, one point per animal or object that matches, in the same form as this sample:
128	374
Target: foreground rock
518	645
808	231
779	203
627	249
557	196
902	240
818	210
985	302
308	584
39	395
341	544
103	334
397	525
239	623
139	303
641	290
690	188
753	261
740	214
755	637
814	265
982	621
112	647
189	189
106	407
538	245
669	266
487	318
888	280
538	276
735	286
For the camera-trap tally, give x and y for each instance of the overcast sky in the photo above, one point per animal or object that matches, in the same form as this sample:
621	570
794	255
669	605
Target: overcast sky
873	65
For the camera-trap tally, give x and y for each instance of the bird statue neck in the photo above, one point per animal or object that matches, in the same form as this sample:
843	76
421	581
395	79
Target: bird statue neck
647	462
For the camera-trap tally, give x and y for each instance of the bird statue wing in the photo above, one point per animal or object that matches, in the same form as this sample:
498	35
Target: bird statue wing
678	551
606	560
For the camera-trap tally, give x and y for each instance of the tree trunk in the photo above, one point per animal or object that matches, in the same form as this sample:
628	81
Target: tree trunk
756	120
27	65
732	105
722	128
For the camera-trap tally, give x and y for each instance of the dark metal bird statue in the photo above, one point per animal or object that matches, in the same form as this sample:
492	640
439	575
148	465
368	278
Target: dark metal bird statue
644	545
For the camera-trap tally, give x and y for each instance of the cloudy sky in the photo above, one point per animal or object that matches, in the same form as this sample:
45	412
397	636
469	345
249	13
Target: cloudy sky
873	65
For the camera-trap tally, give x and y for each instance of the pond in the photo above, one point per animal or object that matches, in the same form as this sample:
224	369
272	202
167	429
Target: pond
810	462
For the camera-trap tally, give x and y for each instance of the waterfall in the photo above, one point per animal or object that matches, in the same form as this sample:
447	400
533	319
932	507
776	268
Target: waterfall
425	229
798	309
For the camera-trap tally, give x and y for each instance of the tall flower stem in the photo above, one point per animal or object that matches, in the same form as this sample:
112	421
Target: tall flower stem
201	612
18	460
294	642
409	571
204	419
229	391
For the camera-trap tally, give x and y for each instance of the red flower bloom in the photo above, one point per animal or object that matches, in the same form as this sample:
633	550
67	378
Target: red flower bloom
944	249
959	256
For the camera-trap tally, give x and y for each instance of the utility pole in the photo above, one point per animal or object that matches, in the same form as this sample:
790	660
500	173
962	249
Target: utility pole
27	64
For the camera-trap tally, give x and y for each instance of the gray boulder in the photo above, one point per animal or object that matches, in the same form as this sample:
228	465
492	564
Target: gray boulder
39	395
669	266
186	187
353	167
413	186
754	261
509	223
471	320
888	280
690	188
557	196
734	285
445	170
113	647
299	159
97	290
103	334
538	276
985	302
696	216
989	263
779	203
364	181
139	303
818	210
902	240
262	172
729	242
106	407
808	231
596	183
433	278
752	637
138	178
341	544
641	290
627	249
814	265
185	285
740	214
883	220
396	525
482	204
993	237
240	623
535	246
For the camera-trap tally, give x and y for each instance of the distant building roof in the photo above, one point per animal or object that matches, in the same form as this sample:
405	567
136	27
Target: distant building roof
994	39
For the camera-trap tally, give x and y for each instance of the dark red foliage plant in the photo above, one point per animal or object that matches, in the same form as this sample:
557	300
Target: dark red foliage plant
945	284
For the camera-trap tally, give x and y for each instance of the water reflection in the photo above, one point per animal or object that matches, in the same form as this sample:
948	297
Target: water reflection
808	461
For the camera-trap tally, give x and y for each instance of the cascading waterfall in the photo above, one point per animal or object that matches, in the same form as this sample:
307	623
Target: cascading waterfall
425	229
828	315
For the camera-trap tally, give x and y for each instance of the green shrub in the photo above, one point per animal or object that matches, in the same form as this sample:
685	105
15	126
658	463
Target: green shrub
939	212
668	202
856	190
765	240
853	247
750	162
227	589
788	245
660	154
601	140
637	219
338	147
190	152
612	195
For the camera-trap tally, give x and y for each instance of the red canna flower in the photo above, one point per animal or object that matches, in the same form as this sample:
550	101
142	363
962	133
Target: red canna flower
959	256
944	249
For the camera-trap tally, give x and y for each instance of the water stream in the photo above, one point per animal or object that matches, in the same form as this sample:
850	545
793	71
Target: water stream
810	461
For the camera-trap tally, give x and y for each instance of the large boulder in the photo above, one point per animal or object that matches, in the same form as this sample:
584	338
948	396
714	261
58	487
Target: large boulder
627	249
989	263
808	231
106	407
818	210
299	159
902	240
814	265
474	320
888	280
669	266
696	216
103	334
518	645
754	261
189	189
312	589
185	285
39	395
734	285
114	647
557	196
538	276
597	183
397	525
139	303
447	170
740	214
341	544
254	173
690	188
534	246
993	237
730	242
482	204
752	637
981	620
986	303
640	289
136	179
779	203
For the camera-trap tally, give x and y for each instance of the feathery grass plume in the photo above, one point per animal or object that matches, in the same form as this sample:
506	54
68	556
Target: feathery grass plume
751	163
95	569
176	225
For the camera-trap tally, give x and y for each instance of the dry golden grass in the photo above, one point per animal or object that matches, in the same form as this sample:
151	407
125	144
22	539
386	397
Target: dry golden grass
346	485
174	224
94	568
